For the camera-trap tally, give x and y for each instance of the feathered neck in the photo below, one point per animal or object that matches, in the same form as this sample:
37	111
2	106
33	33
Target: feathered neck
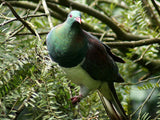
73	26
68	45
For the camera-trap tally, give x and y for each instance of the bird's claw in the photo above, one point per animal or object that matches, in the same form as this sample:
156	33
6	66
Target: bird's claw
76	99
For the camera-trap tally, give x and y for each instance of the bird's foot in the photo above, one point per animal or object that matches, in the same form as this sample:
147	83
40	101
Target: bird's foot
76	99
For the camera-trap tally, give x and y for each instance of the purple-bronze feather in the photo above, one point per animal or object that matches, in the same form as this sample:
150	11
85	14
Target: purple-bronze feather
99	63
87	62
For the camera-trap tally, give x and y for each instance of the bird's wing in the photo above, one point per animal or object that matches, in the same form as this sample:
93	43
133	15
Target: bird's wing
100	65
99	62
115	58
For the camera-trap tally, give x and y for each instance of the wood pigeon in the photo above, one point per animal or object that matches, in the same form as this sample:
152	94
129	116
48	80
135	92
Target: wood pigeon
87	62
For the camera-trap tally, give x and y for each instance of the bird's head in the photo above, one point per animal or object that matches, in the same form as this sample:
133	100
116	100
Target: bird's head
74	16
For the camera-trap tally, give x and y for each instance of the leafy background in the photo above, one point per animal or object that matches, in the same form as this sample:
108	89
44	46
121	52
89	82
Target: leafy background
32	87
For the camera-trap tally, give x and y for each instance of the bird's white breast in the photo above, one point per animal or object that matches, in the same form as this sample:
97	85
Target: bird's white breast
81	77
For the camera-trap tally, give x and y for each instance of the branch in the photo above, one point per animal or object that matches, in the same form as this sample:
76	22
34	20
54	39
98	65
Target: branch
100	34
150	13
20	19
141	57
93	33
132	44
156	118
153	66
64	13
101	9
47	12
41	33
25	17
59	10
146	100
32	6
156	6
144	81
58	13
111	2
121	35
20	28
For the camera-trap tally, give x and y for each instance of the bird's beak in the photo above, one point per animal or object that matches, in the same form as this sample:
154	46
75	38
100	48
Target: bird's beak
78	19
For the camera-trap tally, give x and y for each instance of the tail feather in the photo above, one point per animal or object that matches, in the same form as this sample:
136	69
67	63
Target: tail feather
111	103
109	108
117	103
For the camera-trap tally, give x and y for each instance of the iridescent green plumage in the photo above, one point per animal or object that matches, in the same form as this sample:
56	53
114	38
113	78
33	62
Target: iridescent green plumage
87	62
70	44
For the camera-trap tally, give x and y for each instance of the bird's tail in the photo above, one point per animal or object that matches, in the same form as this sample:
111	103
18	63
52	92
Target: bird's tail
111	102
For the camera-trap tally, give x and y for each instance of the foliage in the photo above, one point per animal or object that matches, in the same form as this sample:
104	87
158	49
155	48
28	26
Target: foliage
33	87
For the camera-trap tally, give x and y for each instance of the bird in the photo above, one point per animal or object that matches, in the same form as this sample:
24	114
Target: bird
87	62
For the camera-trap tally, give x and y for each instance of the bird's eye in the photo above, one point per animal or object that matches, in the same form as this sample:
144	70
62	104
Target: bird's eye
70	16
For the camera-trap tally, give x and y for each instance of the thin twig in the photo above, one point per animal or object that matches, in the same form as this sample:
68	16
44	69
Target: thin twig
121	34
93	33
146	80
47	12
156	7
104	11
116	4
14	19
19	18
156	118
37	8
22	26
102	36
145	76
13	34
41	33
146	100
141	57
149	96
18	98
5	17
150	13
93	3
132	44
